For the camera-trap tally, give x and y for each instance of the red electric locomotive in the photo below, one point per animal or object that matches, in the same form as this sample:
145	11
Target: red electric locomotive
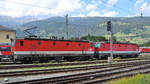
5	52
33	49
102	50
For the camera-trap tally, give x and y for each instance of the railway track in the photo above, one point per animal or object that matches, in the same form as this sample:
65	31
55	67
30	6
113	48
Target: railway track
48	65
45	71
114	74
97	76
6	63
19	66
92	74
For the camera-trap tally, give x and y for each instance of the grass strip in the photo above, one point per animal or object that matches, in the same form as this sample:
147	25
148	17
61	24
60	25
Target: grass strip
136	79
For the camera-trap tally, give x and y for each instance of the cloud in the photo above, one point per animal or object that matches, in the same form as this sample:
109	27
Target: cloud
91	7
90	14
66	6
81	15
69	5
145	5
18	8
110	13
146	9
93	13
111	3
138	2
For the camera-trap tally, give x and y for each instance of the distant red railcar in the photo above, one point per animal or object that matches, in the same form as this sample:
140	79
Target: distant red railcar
30	49
145	49
5	52
102	50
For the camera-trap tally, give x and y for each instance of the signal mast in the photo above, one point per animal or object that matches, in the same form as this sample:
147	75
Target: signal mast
109	28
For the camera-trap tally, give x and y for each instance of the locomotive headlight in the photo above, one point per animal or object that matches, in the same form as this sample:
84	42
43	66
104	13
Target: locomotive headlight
90	49
6	56
15	57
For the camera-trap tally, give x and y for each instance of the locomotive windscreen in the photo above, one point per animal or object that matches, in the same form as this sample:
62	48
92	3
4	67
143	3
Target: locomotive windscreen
5	49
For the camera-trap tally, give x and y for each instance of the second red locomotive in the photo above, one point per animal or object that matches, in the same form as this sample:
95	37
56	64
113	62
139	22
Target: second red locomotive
102	49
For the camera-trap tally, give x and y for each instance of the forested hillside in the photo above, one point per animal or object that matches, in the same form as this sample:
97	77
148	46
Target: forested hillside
134	29
15	21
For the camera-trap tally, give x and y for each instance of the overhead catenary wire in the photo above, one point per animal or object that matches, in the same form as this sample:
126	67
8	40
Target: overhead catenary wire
31	5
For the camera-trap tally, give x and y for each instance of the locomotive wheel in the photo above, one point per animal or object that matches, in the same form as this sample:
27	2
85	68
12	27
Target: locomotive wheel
70	59
26	61
84	58
43	60
58	59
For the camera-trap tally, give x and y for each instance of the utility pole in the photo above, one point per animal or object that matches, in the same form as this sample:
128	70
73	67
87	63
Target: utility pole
109	28
141	12
141	17
66	26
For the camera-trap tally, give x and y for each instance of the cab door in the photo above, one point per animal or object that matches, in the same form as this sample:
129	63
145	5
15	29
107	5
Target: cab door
84	50
33	47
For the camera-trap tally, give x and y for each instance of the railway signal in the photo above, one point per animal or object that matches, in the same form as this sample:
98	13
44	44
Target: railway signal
109	28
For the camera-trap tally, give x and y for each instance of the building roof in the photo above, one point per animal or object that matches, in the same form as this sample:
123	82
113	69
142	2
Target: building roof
3	28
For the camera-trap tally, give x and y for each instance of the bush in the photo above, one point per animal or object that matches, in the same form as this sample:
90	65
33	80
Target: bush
137	79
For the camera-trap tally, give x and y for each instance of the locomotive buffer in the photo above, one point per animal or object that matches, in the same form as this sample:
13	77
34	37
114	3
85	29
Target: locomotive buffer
109	28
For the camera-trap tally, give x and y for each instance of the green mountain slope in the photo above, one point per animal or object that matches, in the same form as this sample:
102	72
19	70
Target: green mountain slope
16	21
134	29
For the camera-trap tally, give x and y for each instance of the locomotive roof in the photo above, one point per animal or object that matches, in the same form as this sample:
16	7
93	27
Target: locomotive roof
119	42
52	39
144	47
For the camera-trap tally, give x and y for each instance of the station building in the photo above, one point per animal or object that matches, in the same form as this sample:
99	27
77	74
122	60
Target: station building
7	35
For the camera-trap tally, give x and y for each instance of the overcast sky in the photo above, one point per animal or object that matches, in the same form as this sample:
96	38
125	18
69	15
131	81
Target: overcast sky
75	8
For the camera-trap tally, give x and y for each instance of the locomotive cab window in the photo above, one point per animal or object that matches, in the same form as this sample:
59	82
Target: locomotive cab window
119	45
67	44
125	45
54	43
79	44
103	46
5	49
98	45
91	45
21	43
39	43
